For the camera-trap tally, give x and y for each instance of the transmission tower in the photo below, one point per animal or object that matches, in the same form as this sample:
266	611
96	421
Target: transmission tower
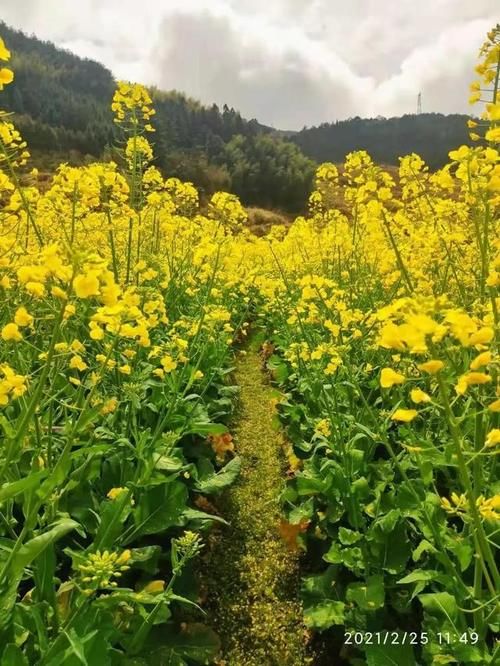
419	103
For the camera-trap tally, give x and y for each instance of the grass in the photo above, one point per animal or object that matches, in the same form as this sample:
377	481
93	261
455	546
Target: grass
253	577
261	220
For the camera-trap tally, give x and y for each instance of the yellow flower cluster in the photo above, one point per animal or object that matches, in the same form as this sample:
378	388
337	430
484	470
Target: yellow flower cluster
12	385
99	568
6	75
486	89
458	505
132	105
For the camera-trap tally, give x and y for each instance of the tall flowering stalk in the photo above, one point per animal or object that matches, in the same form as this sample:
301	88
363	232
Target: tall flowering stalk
133	112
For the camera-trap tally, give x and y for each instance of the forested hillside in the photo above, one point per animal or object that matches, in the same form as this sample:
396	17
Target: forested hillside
431	135
62	106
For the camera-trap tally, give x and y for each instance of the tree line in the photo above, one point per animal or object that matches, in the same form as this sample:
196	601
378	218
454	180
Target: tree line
431	135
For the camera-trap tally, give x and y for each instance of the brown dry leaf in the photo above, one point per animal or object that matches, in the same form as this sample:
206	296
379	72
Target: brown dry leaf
221	444
204	505
289	532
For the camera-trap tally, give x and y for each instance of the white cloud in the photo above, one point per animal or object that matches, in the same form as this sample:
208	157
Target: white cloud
286	62
441	69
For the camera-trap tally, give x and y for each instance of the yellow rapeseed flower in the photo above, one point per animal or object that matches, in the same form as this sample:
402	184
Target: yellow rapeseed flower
483	336
22	317
489	508
6	77
115	492
481	360
77	363
493	438
323	427
4	51
57	292
109	406
431	367
388	378
493	135
11	333
471	379
404	415
86	285
35	288
168	363
154	587
418	396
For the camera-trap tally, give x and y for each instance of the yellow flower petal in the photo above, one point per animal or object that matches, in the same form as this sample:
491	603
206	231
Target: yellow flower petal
404	415
6	77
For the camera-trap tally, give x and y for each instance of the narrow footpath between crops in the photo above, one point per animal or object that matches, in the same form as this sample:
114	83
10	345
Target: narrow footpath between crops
253	575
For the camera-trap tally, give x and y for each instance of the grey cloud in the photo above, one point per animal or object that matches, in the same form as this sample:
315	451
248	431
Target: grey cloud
208	58
286	62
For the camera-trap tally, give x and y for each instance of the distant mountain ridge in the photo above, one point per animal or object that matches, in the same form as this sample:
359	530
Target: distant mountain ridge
431	135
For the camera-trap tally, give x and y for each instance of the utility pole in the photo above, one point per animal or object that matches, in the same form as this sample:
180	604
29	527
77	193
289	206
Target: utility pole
419	103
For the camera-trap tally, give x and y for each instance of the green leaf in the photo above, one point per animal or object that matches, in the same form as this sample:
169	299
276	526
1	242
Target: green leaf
76	645
348	537
360	488
421	577
44	575
390	655
222	479
10	490
113	514
324	615
389	544
441	605
368	596
146	558
169	463
33	618
57	476
461	549
334	554
321	609
307	484
7	428
195	516
352	558
193	642
278	367
386	524
33	548
417	576
303	511
467	653
159	508
202	428
13	656
24	557
405	498
423	547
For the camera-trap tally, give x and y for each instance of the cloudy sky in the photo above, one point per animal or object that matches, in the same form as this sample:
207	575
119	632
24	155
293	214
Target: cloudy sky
288	63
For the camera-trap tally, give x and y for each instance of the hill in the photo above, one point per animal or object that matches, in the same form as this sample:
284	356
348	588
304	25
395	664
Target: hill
431	135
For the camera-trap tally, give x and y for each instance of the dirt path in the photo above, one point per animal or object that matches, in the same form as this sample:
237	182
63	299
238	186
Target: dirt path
253	576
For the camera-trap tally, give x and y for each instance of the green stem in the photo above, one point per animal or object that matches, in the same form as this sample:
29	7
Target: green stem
484	550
